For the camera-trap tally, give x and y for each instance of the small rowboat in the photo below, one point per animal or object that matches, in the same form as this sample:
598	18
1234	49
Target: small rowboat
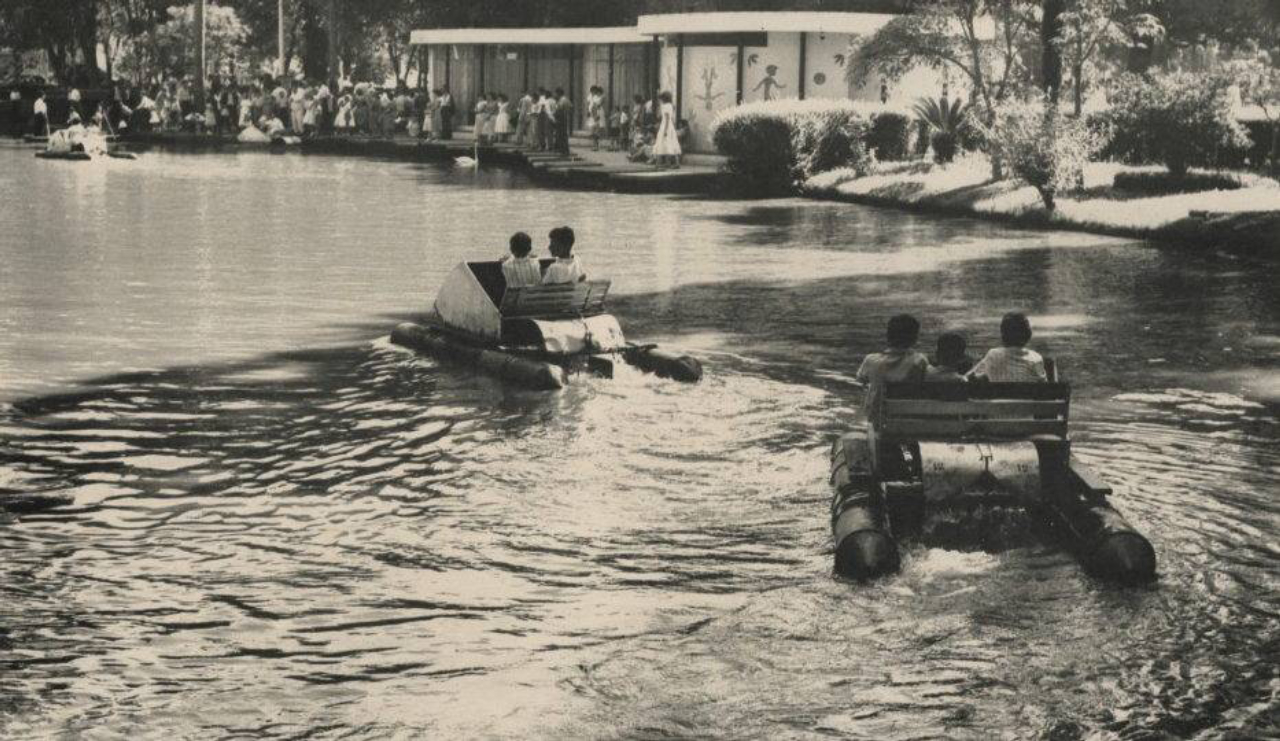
937	447
535	336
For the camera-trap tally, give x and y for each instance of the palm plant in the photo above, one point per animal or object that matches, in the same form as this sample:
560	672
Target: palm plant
944	118
941	115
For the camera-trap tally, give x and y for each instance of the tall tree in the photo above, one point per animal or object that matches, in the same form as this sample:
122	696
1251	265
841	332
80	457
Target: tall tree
1051	53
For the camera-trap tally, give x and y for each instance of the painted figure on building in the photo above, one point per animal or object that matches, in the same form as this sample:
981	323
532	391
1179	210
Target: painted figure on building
709	76
769	82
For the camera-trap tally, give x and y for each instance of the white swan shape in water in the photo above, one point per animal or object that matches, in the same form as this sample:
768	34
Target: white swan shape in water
468	163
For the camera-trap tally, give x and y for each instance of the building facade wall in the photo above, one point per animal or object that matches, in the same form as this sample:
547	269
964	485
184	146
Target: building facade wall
710	86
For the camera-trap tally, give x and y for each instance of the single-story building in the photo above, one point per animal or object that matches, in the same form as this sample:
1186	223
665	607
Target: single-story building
707	61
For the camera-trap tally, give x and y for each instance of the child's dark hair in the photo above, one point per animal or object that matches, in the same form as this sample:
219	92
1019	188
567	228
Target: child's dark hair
562	236
521	244
903	331
951	349
1015	330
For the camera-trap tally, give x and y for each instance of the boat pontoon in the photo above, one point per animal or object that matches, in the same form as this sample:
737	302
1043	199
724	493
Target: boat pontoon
932	447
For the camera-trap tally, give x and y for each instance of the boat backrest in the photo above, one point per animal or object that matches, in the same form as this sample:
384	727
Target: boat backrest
974	411
558	300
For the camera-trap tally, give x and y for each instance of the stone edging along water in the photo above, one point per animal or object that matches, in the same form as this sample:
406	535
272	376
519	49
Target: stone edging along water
1251	233
547	168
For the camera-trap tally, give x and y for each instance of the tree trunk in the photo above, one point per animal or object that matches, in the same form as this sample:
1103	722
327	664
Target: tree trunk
1077	75
332	27
1051	54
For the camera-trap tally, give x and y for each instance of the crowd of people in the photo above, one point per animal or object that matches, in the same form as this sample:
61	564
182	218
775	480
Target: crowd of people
539	119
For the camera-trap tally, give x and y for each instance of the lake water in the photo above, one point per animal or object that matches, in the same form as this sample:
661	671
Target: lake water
287	527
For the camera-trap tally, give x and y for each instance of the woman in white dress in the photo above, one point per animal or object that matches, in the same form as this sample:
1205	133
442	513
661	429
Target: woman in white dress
666	145
502	125
482	118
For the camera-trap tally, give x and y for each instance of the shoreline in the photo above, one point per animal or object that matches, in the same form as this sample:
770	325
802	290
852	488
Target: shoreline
1180	220
583	168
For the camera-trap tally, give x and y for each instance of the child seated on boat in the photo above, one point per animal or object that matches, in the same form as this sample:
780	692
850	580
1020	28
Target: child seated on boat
1013	361
566	268
951	361
897	363
519	268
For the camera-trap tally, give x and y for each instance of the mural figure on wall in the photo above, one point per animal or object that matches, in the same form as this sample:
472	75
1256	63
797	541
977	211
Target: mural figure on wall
769	82
709	77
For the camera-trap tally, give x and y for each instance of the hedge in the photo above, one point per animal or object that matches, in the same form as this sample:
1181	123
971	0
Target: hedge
1162	183
772	145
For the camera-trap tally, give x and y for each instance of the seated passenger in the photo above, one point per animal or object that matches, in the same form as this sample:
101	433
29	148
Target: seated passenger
897	363
952	362
566	268
1013	361
519	268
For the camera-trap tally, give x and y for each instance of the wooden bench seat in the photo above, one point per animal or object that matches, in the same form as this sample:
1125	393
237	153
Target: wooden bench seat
558	300
974	411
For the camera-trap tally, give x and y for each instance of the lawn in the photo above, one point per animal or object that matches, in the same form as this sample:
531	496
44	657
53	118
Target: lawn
1248	217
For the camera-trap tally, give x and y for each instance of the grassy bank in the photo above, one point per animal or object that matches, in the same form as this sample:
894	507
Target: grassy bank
1246	220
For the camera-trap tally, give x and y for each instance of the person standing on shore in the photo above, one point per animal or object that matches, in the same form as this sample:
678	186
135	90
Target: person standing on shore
297	108
502	124
564	121
666	144
538	121
40	116
597	122
185	102
482	118
525	109
431	122
446	113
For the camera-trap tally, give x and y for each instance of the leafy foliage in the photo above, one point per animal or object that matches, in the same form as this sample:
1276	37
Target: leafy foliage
1091	28
889	135
982	40
941	114
1177	119
1042	147
773	144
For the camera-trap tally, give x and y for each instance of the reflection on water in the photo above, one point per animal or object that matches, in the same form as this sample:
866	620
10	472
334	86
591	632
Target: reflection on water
284	526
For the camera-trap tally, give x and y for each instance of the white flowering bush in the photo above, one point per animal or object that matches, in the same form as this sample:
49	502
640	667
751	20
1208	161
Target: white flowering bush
771	145
1043	147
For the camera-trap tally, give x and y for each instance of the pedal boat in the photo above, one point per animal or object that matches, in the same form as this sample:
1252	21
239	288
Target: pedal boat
935	446
535	336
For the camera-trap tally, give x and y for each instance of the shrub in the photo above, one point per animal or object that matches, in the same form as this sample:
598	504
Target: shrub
1177	119
921	147
945	144
772	144
1043	147
890	136
1161	183
827	141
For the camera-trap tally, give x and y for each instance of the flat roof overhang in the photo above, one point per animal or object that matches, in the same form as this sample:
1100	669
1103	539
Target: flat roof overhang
536	36
666	24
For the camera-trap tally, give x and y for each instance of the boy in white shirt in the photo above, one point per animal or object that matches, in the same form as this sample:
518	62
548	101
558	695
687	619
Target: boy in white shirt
1013	361
566	268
